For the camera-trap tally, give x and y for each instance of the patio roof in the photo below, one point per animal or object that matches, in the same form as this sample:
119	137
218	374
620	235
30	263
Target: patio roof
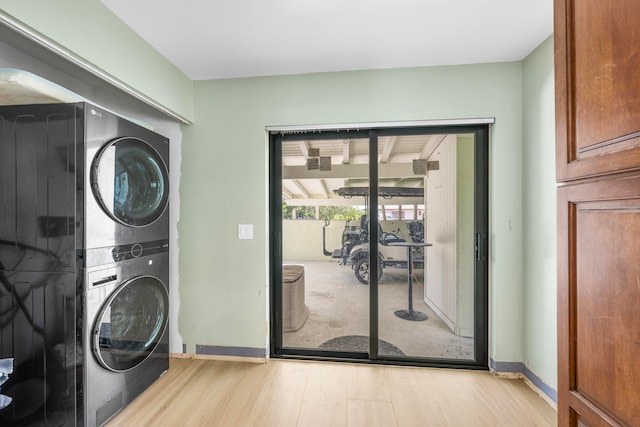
309	181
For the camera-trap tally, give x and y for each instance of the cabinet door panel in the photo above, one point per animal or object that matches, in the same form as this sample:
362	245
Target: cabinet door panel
597	87
598	297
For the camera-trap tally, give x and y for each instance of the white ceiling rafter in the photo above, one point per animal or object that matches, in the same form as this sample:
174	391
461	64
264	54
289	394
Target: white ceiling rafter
323	186
346	152
388	148
301	188
432	145
304	147
412	181
427	149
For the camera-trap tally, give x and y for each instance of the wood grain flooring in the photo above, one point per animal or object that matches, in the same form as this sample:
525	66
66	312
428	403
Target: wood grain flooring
287	393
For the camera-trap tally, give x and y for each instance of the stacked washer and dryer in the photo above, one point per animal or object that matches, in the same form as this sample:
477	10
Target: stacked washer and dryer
84	262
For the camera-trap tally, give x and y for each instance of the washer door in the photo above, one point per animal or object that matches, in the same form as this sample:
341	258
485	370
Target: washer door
130	182
130	324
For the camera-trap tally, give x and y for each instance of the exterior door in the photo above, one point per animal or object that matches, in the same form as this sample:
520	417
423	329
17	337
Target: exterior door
598	163
323	308
352	276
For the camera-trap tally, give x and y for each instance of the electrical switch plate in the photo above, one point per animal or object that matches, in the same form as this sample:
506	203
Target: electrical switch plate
245	231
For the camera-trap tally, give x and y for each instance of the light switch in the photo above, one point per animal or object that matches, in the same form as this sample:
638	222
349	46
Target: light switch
245	231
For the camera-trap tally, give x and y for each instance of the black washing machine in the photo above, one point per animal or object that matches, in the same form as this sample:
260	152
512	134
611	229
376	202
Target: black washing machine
125	332
81	190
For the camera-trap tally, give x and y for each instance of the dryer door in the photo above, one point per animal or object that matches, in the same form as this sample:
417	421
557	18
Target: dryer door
130	182
130	324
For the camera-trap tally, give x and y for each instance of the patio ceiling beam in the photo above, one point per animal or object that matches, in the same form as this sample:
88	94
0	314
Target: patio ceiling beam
411	180
300	187
431	145
385	170
354	201
304	147
346	151
323	187
388	148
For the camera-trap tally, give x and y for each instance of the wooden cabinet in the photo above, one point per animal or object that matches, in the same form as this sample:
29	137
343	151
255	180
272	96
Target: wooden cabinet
599	302
597	60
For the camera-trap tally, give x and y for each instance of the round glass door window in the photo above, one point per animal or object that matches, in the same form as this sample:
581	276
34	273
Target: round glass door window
130	181
130	324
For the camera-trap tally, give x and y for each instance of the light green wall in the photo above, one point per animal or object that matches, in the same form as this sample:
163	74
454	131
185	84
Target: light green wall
224	183
539	242
89	30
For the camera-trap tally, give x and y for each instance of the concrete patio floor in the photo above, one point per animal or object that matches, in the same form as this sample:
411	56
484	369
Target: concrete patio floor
339	305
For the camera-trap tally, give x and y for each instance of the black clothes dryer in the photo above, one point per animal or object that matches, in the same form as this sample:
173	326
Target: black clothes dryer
126	167
83	175
80	189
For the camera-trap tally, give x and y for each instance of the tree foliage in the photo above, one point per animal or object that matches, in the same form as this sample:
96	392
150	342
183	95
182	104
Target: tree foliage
331	213
340	213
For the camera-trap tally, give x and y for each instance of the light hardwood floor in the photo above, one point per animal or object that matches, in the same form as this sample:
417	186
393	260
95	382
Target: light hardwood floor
286	393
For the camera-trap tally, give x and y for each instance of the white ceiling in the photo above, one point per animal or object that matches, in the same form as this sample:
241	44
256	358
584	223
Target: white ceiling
213	39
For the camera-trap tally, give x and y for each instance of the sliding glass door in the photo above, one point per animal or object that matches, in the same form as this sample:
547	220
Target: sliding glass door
323	307
378	245
427	246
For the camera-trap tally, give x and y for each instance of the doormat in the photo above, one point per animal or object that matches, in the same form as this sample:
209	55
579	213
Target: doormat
360	343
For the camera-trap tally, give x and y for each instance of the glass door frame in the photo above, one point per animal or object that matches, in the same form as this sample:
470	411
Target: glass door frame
481	228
